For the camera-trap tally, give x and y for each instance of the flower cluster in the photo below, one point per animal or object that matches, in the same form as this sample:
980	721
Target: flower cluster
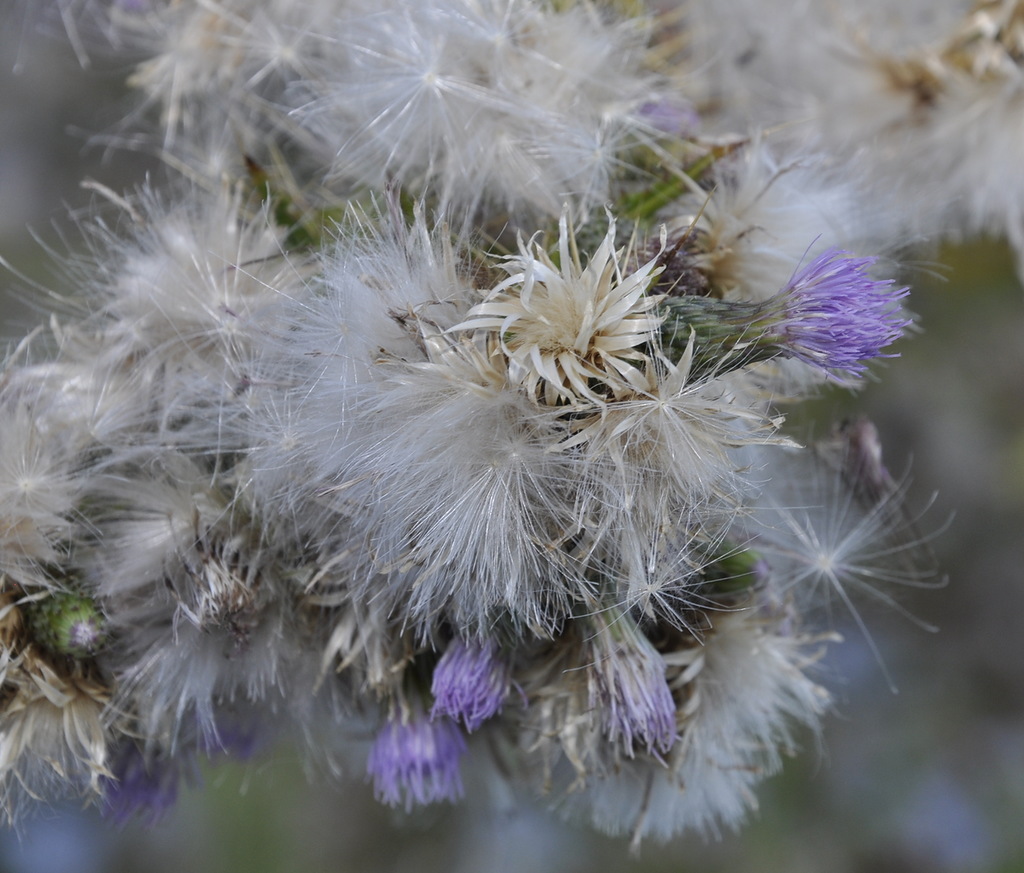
399	433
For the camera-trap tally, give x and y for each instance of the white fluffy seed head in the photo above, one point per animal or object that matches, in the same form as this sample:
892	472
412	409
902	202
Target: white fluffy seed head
189	281
39	488
213	66
510	102
766	216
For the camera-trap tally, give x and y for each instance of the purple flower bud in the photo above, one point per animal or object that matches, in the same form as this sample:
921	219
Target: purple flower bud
836	317
629	690
672	115
68	623
471	682
857	452
416	761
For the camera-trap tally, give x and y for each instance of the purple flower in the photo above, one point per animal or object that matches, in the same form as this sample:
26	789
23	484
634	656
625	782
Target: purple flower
235	739
836	317
471	682
143	786
416	761
629	690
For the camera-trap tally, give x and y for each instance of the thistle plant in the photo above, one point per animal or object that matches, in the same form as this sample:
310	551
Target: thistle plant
441	396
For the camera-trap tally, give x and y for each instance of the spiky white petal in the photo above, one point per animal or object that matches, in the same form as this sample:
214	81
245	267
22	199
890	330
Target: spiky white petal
564	326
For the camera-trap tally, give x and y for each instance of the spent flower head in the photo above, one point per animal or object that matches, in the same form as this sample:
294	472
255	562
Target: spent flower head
628	688
571	333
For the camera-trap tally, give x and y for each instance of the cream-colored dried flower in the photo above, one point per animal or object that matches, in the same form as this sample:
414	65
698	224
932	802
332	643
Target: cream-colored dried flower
52	735
571	333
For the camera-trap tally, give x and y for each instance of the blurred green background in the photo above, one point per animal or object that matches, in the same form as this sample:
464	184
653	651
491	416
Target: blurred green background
928	779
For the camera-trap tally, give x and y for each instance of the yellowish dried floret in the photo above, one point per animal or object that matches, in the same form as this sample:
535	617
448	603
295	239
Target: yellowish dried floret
572	334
